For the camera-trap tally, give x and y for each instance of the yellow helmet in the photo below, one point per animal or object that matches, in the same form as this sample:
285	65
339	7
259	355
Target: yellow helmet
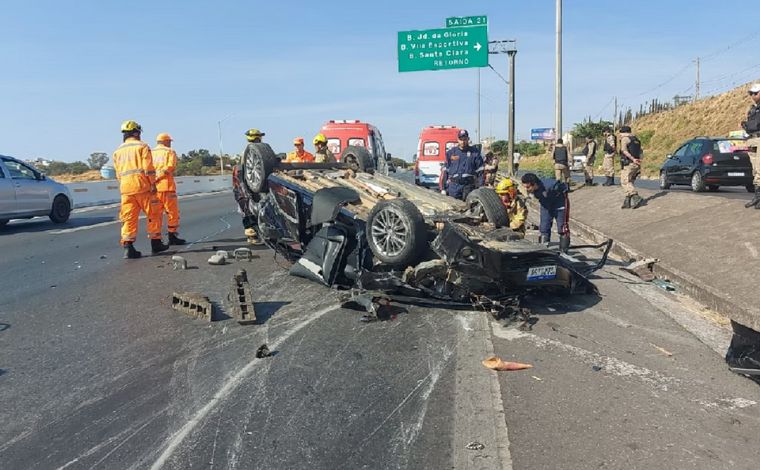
130	126
253	134
505	186
319	138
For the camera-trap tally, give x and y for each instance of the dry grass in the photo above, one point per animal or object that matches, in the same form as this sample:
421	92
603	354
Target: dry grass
714	116
92	175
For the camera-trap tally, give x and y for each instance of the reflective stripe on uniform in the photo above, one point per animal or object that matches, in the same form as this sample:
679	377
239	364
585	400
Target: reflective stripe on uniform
131	172
132	144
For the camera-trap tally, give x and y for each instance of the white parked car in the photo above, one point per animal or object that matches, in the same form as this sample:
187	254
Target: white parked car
25	192
578	162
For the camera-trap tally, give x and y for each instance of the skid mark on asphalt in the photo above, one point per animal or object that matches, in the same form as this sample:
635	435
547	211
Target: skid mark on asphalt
617	367
229	386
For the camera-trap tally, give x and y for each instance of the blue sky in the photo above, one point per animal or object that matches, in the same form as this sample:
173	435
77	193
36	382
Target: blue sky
71	72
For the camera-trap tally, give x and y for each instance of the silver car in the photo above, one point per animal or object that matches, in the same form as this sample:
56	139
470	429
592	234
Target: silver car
25	193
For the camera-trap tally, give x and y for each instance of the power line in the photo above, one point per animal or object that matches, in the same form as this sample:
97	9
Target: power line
730	46
497	73
599	114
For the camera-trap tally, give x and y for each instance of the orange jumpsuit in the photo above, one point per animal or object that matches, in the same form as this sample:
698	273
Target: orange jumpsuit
165	161
134	170
293	157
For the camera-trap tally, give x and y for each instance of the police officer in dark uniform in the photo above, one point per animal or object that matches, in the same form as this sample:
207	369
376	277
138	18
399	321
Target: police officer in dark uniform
752	127
463	169
552	197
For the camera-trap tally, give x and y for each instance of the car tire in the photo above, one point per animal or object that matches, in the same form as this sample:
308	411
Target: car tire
4	222
359	158
259	161
712	187
396	233
697	183
61	209
750	188
485	202
664	181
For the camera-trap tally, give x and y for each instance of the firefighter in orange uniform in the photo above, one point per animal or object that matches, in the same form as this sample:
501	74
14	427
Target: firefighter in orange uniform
137	183
165	161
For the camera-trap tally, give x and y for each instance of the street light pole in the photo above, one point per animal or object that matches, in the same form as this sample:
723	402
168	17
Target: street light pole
558	75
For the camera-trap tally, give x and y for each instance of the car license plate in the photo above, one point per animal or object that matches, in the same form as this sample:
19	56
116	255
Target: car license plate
542	273
735	173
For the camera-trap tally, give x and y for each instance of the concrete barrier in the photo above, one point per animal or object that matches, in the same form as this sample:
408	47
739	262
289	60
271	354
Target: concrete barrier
95	193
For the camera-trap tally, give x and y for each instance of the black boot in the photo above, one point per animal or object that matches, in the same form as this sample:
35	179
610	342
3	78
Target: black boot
607	181
636	201
157	246
626	203
755	200
175	240
130	252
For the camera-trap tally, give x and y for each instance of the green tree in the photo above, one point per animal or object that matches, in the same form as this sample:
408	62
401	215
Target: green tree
78	168
499	147
97	160
590	128
57	168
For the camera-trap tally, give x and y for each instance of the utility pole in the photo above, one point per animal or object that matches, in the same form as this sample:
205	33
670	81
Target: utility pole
696	87
221	152
511	142
478	105
558	75
614	117
508	47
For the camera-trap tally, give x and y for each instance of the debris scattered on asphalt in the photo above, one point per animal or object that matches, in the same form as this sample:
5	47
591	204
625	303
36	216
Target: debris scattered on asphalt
662	350
371	302
496	363
103	256
642	269
537	378
263	352
224	254
243	254
474	445
596	368
217	260
664	284
193	304
241	297
53	286
178	262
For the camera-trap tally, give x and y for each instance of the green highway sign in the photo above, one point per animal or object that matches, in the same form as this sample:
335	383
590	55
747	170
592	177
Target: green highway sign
441	49
455	21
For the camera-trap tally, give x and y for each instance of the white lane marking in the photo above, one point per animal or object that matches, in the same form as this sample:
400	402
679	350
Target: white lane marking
85	227
478	407
229	386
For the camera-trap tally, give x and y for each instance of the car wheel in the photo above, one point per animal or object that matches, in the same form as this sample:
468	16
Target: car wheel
750	188
258	162
713	187
396	233
485	203
61	209
4	222
359	159
697	183
664	181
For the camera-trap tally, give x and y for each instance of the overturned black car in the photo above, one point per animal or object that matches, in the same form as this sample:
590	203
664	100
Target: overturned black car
346	227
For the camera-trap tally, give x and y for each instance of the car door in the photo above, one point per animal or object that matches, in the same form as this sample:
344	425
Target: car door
675	168
32	192
7	193
692	159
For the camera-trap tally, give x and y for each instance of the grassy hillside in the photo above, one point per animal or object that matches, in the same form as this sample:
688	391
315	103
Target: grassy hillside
662	133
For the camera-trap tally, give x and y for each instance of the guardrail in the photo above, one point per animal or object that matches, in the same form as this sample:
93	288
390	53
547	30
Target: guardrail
95	193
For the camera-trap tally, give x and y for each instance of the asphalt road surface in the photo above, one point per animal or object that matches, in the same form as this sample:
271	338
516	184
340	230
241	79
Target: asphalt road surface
97	371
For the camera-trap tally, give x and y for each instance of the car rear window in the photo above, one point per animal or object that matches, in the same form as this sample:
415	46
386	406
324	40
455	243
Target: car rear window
356	141
730	146
333	145
449	145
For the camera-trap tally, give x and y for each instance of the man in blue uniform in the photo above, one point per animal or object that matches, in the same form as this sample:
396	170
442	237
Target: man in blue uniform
552	196
463	170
